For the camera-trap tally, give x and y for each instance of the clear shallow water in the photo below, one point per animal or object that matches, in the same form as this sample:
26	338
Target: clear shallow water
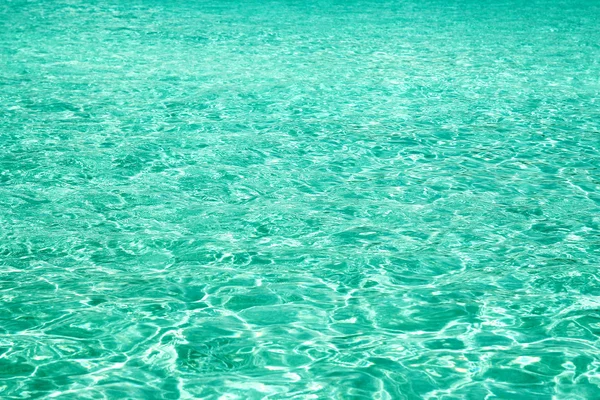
352	200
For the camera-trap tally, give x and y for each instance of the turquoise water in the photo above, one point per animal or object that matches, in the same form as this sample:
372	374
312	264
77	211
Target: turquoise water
300	199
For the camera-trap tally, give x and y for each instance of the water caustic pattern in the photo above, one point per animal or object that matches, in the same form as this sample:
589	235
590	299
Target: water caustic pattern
304	200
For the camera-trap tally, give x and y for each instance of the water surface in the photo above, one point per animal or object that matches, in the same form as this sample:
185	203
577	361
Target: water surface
300	199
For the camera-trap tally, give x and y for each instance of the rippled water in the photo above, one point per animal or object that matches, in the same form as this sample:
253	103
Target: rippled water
300	199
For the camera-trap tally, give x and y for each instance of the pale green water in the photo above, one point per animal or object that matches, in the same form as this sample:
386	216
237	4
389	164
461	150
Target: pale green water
300	200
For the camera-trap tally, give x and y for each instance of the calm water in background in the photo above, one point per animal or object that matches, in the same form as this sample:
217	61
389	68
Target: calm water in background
307	200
